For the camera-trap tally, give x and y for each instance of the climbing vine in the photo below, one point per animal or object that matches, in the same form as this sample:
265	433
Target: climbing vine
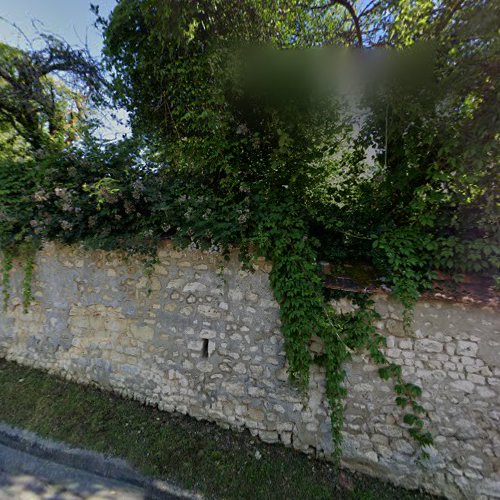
305	311
27	254
6	269
238	142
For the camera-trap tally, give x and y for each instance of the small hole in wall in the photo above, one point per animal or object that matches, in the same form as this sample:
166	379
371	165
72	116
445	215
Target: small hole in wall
204	350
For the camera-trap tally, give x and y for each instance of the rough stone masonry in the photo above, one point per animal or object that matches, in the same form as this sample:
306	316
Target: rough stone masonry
201	336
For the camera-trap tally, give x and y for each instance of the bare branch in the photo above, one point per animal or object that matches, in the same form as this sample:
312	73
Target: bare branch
19	30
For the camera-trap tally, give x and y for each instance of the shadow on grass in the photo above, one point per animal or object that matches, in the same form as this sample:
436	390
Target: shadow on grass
194	454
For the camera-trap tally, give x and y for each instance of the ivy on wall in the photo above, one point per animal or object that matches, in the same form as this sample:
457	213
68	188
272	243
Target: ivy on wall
239	142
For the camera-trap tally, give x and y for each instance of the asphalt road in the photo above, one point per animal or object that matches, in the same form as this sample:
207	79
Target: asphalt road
26	477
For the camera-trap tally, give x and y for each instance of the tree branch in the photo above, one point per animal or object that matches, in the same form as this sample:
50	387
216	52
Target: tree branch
352	12
447	18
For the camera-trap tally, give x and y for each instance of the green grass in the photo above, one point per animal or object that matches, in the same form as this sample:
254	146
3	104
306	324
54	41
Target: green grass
195	455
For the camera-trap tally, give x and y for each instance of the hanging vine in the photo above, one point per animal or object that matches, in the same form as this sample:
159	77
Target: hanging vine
6	269
306	311
28	254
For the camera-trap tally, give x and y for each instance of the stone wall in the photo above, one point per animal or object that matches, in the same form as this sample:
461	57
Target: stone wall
202	337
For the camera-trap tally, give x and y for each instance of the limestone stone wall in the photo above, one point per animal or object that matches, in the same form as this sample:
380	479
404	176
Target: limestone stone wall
202	337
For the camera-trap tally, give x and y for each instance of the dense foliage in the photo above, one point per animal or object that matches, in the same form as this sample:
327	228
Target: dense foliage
43	94
244	135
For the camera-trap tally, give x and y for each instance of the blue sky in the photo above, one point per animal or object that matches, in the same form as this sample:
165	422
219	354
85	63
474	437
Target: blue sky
70	19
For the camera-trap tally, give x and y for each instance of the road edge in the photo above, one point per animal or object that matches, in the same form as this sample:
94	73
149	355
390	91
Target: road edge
90	461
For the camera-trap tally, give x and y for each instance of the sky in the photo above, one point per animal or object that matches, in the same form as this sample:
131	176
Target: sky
70	19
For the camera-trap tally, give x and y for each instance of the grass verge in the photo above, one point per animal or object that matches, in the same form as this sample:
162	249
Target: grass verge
196	455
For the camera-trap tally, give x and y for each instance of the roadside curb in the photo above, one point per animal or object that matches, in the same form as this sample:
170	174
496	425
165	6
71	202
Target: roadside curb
90	461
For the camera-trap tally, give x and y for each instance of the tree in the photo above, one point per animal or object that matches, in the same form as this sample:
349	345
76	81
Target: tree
44	93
